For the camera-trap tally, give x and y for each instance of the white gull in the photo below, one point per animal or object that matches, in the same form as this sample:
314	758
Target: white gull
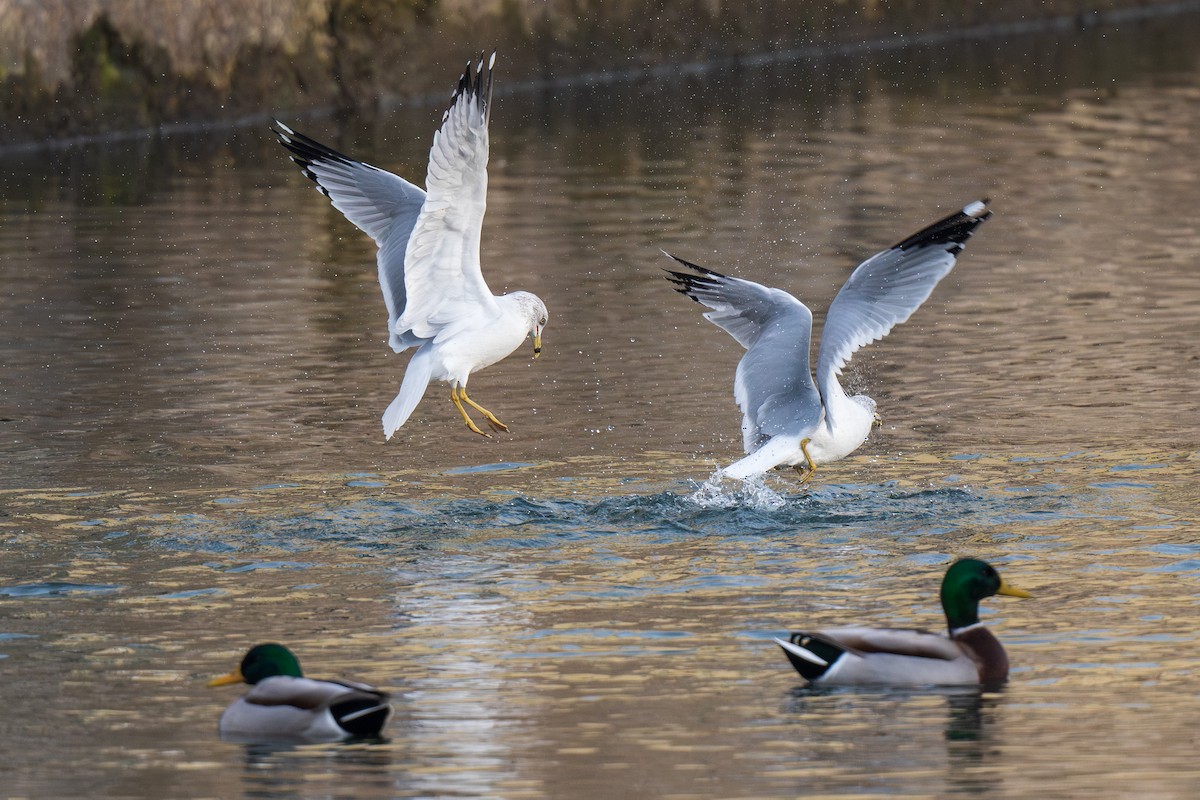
429	271
787	419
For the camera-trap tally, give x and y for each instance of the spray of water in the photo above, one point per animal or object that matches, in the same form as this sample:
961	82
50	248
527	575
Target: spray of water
722	492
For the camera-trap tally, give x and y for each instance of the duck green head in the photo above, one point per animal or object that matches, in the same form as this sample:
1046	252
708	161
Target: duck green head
262	661
968	581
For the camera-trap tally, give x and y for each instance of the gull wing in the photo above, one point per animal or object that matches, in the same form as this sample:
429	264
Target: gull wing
773	386
888	287
383	205
442	273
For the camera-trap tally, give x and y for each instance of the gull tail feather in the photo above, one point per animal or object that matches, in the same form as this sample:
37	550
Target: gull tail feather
775	452
412	389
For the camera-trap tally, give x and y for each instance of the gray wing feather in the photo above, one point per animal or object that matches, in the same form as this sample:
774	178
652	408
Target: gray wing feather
897	641
773	386
383	205
443	252
888	287
304	693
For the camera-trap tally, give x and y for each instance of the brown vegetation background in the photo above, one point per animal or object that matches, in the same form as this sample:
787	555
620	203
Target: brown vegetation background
81	67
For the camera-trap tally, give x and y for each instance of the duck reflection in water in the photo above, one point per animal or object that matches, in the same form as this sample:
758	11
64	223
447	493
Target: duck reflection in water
869	736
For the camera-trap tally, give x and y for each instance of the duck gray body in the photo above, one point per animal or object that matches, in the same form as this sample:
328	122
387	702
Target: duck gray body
283	705
872	656
969	655
305	709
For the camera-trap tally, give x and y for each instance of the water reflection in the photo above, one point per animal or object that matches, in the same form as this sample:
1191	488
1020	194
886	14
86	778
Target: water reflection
463	706
561	646
276	771
975	744
885	733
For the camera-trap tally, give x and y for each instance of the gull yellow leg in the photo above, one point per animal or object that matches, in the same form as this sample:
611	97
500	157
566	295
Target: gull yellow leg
454	398
496	424
807	470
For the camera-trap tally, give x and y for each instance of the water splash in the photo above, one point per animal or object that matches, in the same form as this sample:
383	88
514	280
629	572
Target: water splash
407	528
722	492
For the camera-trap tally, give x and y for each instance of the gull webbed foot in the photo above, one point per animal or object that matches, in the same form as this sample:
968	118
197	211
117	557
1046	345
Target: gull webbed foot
496	424
475	428
807	469
455	398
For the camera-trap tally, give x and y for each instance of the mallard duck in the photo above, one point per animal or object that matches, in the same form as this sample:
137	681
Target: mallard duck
283	704
901	656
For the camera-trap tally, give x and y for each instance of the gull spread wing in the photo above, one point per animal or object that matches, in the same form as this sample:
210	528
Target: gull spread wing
773	386
888	287
442	271
381	204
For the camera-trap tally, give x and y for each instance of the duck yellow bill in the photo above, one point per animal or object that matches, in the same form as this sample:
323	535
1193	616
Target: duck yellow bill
1009	590
537	345
225	680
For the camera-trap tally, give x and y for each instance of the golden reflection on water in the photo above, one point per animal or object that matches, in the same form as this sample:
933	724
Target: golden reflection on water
541	665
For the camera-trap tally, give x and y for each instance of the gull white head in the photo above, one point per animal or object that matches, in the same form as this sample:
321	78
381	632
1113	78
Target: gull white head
535	313
866	402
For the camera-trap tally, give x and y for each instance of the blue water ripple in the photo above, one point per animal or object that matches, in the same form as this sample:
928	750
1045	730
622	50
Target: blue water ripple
57	589
828	514
261	565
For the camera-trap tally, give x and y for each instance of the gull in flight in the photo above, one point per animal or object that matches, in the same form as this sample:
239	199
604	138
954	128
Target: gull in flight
787	419
437	300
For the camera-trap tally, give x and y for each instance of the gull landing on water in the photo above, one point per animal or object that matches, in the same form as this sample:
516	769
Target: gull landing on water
436	297
787	419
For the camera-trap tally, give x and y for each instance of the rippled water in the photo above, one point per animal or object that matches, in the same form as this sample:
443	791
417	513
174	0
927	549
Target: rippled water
194	374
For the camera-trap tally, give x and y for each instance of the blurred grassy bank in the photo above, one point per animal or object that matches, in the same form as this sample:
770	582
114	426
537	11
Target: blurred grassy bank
84	67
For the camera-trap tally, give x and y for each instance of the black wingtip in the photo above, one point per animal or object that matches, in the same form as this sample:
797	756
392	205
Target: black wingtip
487	89
952	230
305	152
475	83
690	265
690	285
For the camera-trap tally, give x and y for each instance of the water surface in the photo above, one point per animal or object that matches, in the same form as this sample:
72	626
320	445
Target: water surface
189	422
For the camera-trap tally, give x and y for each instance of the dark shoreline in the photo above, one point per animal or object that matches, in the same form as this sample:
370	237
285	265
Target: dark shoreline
1061	23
